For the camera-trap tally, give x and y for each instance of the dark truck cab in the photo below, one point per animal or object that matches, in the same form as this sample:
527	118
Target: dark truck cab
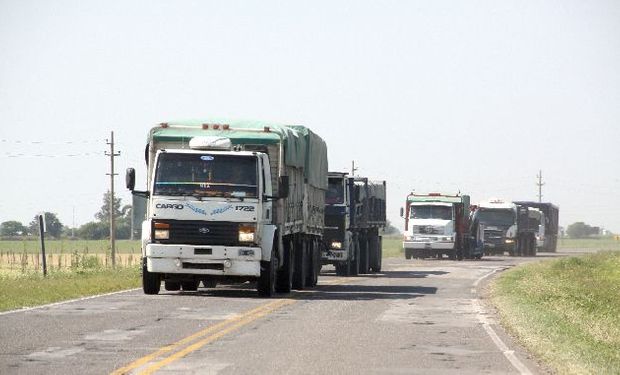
354	220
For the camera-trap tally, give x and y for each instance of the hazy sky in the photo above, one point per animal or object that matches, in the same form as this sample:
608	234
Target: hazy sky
475	96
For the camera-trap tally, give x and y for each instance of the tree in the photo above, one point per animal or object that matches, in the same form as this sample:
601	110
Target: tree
581	230
390	229
104	213
93	230
12	228
52	224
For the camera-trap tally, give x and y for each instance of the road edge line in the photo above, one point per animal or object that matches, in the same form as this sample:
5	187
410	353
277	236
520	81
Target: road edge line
499	343
53	304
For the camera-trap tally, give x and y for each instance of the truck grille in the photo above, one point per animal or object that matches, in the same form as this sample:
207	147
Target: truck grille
494	236
428	229
202	233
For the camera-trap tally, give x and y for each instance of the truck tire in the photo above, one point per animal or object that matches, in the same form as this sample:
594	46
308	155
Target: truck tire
377	267
209	283
172	286
312	274
151	282
190	286
300	260
284	281
375	253
354	264
266	285
408	254
364	256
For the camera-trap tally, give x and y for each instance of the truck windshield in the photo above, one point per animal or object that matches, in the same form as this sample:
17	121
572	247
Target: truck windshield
496	216
431	212
206	175
335	191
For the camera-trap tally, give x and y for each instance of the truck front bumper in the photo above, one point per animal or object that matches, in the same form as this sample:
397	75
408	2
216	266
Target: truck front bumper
204	260
428	245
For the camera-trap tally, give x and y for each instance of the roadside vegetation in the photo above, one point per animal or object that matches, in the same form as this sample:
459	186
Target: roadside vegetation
599	243
19	290
75	269
566	311
393	246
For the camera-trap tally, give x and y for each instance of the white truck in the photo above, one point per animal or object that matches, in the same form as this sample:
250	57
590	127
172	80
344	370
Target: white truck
232	201
438	224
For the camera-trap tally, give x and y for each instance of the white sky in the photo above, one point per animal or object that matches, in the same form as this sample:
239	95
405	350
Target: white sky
475	96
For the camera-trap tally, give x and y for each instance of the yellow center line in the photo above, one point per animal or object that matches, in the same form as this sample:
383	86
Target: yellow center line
168	348
199	344
171	353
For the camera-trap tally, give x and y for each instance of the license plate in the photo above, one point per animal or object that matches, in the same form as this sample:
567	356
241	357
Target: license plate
427	246
491	245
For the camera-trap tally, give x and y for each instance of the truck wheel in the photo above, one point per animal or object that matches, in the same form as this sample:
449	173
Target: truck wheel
151	282
379	254
172	285
190	286
209	283
408	254
363	255
312	275
284	282
342	269
266	284
354	265
300	263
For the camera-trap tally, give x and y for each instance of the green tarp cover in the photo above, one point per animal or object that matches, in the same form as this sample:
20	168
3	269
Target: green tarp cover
449	199
302	148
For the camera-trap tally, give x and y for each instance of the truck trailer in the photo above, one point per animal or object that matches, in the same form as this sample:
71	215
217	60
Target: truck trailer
232	201
355	218
440	224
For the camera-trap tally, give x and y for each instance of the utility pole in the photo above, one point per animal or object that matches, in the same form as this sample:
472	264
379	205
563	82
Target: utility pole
540	185
112	154
353	169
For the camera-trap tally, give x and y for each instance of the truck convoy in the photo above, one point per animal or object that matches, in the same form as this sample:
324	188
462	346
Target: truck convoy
354	221
232	201
439	224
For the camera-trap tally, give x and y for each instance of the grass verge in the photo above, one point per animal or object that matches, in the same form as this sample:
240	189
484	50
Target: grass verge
393	246
27	290
566	311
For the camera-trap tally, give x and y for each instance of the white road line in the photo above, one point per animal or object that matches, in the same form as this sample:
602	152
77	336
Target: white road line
66	302
509	354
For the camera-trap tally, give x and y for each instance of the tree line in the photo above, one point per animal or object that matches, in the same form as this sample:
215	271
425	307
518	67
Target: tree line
94	230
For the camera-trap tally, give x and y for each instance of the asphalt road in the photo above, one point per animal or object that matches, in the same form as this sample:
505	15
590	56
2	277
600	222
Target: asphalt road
426	317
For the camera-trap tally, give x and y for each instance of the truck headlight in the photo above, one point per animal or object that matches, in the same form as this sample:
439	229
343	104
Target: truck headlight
162	231
247	233
336	245
509	240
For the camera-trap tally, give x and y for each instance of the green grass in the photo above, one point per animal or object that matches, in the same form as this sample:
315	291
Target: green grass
605	243
565	311
393	246
33	246
32	289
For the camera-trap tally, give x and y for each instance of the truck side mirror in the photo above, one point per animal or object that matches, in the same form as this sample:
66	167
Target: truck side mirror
357	194
283	188
130	178
402	212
